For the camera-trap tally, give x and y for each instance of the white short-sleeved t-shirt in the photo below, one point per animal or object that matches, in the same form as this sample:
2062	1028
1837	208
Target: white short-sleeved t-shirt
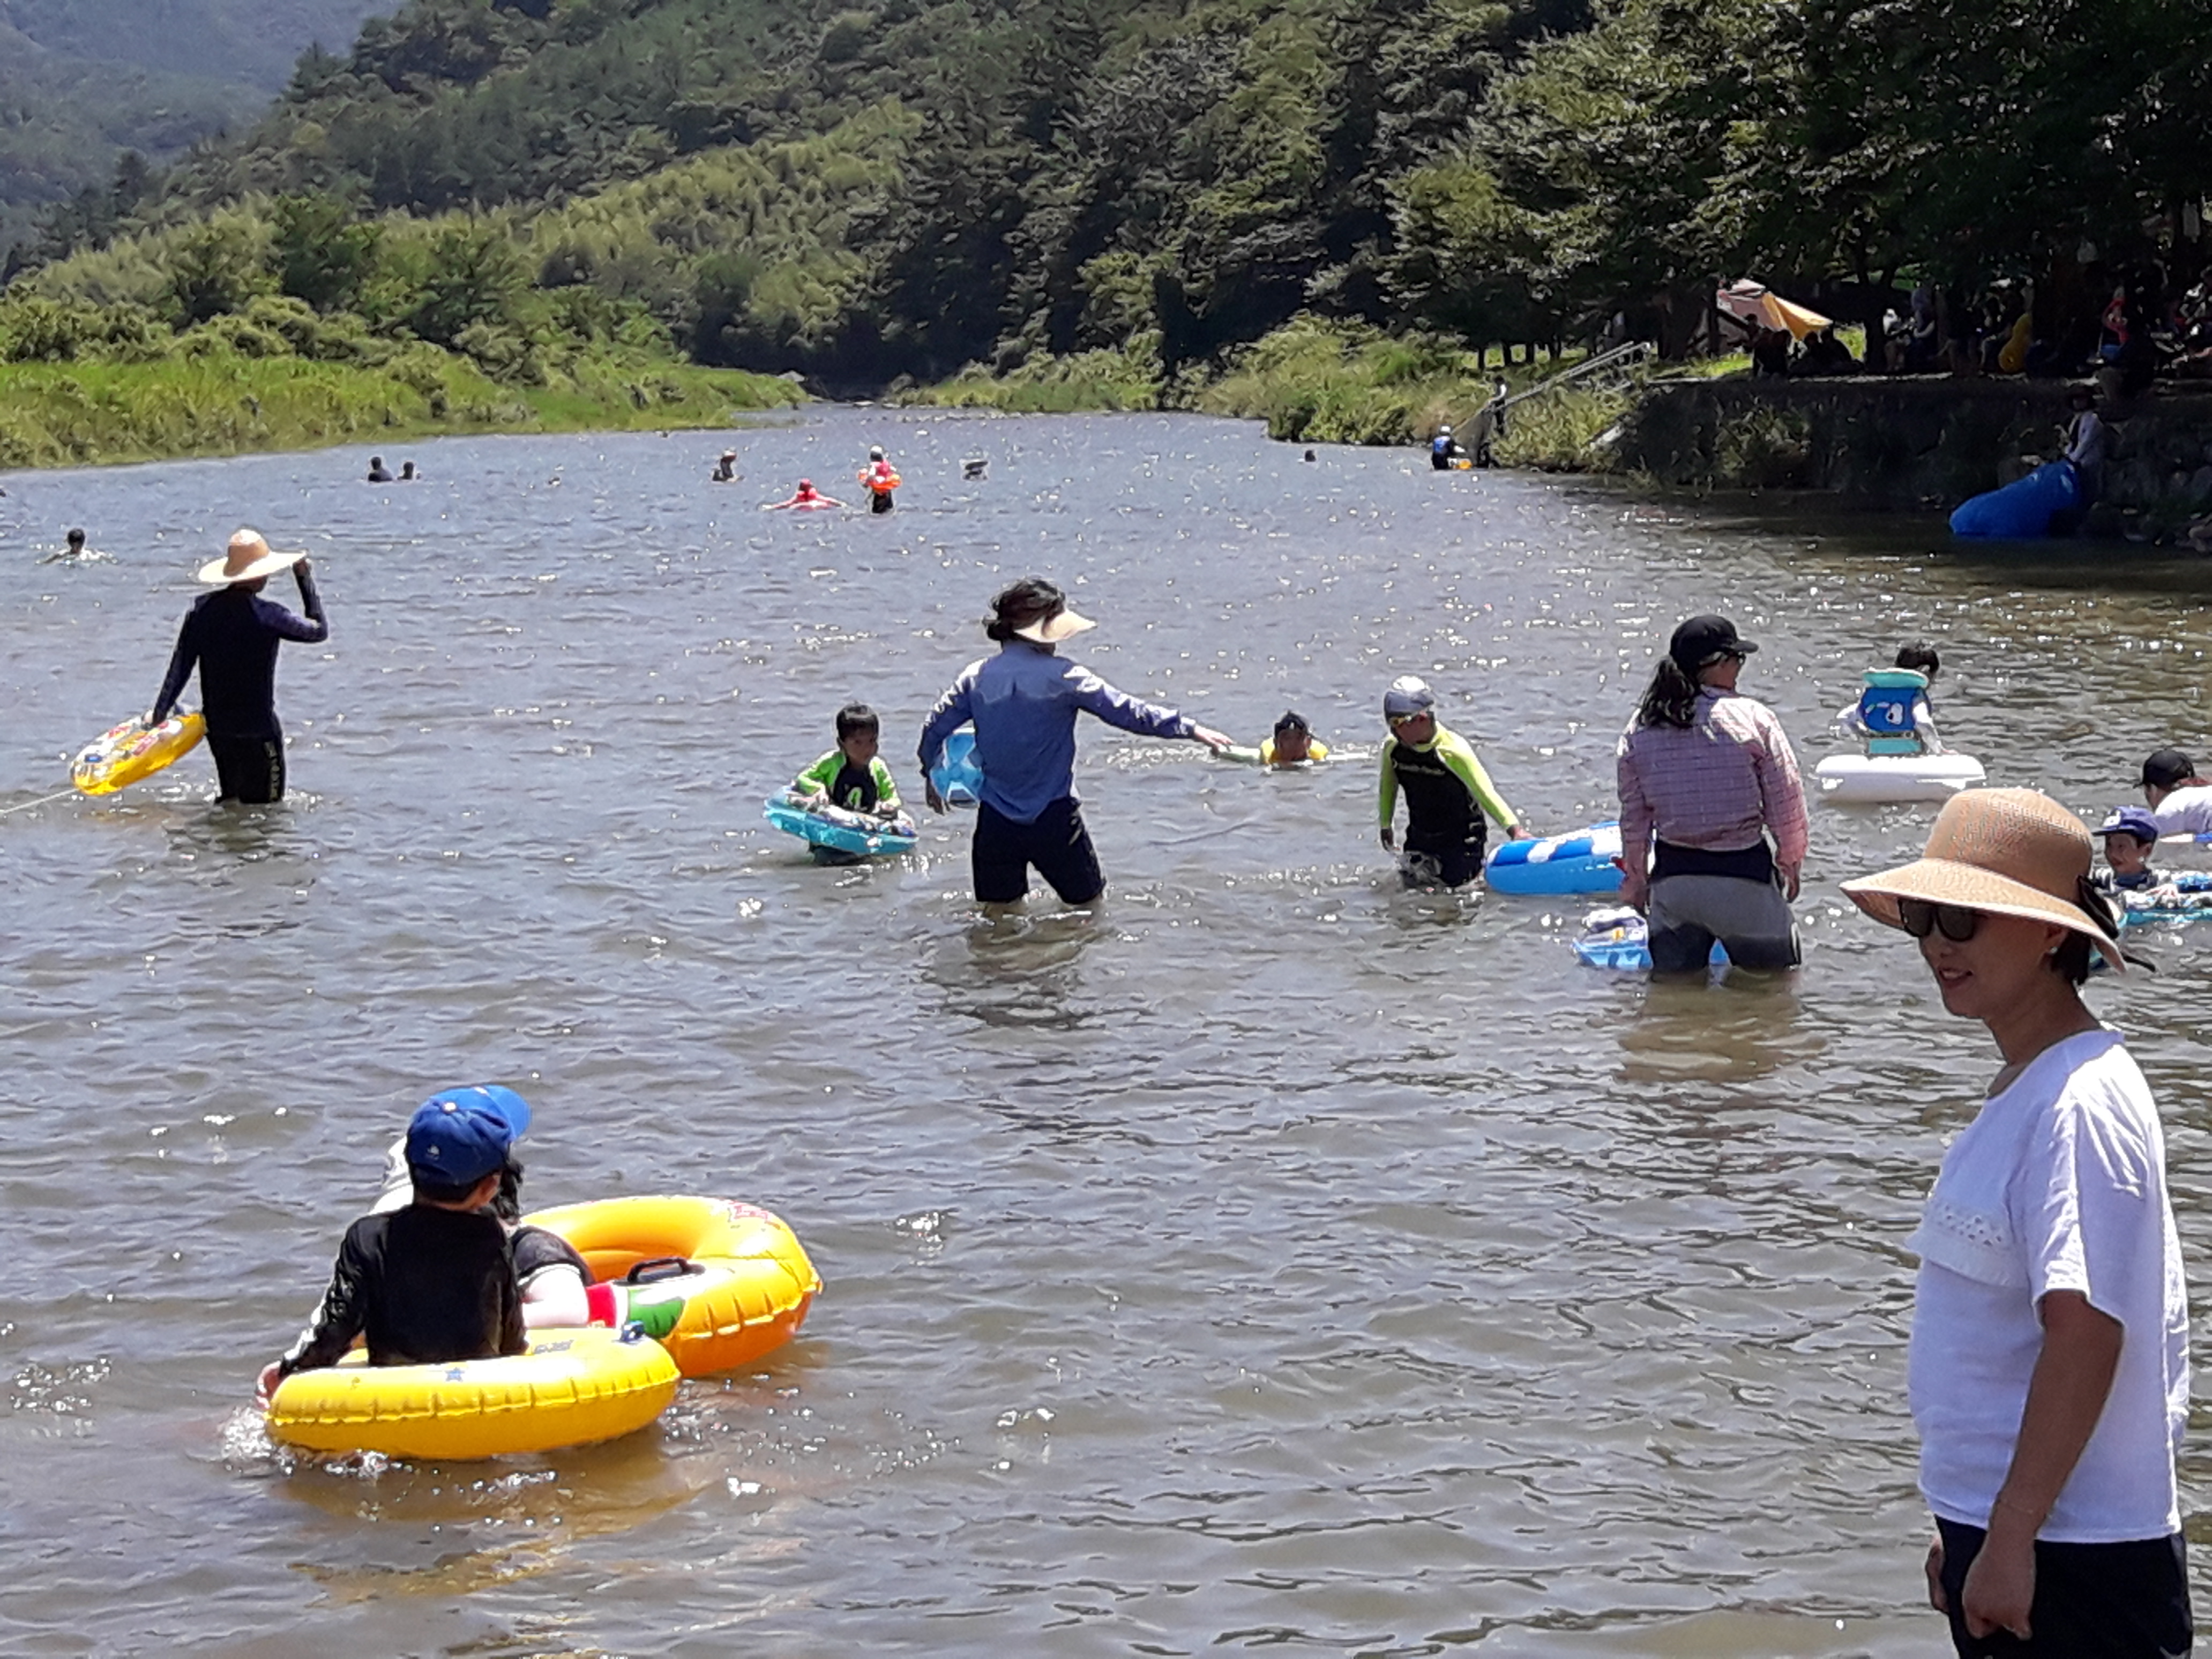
2059	1184
2186	813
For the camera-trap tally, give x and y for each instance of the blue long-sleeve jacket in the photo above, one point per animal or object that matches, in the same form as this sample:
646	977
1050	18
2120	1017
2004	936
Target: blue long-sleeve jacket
1022	704
232	635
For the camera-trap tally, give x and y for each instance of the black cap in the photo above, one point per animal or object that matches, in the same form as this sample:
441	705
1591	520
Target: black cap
2168	767
1292	721
1703	640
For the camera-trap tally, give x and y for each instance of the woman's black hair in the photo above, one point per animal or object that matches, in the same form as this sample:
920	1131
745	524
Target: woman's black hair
1920	657
1671	699
507	1202
857	717
2070	961
1023	604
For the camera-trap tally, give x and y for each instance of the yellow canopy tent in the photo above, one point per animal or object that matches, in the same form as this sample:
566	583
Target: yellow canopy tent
1754	303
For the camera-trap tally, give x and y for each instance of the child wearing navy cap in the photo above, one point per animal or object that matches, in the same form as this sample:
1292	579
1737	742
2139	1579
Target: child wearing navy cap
2130	836
433	1282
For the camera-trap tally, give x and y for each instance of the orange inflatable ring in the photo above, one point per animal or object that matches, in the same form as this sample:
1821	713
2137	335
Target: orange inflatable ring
718	1284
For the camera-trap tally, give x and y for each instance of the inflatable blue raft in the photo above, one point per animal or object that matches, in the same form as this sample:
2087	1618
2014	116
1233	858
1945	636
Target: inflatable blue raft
2021	511
839	830
1580	863
1620	939
2185	895
958	777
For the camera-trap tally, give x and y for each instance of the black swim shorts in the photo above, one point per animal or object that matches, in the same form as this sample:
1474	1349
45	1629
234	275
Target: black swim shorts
1056	845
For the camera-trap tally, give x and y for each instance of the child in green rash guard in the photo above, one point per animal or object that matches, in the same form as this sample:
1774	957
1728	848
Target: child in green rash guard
1446	792
850	775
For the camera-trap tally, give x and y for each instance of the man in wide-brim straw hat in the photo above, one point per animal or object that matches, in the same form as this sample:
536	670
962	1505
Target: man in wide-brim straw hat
2048	1372
232	635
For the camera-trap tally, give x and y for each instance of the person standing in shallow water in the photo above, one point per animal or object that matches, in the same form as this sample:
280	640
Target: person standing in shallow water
1022	704
1706	775
231	635
2048	1372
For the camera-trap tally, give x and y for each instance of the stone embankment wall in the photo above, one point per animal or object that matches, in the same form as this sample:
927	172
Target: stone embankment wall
1924	441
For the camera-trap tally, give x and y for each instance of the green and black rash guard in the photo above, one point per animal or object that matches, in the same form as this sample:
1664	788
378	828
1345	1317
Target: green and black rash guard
1446	792
856	788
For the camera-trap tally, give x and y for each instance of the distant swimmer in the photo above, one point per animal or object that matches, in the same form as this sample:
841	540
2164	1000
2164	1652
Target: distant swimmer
376	472
1292	743
407	472
975	467
1447	792
807	496
76	553
725	470
231	636
881	478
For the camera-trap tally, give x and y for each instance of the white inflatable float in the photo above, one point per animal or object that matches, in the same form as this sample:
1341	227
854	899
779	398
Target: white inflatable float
1897	777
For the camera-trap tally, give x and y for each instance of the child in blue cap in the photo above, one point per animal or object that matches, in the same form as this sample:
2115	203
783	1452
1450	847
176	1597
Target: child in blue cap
433	1282
2130	836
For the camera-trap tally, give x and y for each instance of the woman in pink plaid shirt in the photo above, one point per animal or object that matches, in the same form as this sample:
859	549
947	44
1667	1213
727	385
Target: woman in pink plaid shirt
1707	776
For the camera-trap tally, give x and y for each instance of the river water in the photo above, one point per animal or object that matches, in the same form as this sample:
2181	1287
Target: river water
1280	1260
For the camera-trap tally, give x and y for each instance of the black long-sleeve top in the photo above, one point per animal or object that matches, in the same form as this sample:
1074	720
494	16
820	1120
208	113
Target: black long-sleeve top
427	1287
232	635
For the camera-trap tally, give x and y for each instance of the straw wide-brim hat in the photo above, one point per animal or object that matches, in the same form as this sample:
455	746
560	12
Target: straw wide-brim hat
2009	852
1062	624
247	557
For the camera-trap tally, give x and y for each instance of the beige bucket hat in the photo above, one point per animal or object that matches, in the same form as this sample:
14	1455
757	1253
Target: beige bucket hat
2010	852
248	557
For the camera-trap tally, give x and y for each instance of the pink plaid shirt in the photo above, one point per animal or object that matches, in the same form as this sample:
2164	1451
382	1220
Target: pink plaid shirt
1714	785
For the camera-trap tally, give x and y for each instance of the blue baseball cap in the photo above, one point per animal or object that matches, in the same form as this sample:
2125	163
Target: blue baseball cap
462	1135
2129	821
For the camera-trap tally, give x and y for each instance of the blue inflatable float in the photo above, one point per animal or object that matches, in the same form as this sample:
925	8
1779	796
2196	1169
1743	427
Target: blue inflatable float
958	775
2021	511
1621	940
839	830
1580	863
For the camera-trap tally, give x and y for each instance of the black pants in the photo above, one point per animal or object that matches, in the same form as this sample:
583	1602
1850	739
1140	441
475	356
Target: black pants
249	769
2091	1600
879	501
1057	844
1441	863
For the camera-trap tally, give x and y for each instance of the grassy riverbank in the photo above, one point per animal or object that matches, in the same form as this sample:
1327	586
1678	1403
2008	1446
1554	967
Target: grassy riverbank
82	414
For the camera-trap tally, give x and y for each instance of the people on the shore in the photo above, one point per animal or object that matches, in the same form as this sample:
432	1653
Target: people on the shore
853	775
1713	828
725	468
881	480
376	470
2085	441
2048	1369
2130	837
1022	704
1894	714
2180	800
807	496
231	636
433	1282
1449	796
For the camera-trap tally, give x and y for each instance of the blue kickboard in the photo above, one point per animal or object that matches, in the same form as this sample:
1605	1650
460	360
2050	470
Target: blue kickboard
1582	862
958	775
839	832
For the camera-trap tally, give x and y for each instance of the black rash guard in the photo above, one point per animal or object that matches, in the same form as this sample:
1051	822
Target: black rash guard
426	1286
232	635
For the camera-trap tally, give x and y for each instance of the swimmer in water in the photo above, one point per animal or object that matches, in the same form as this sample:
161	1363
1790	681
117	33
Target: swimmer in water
725	470
407	472
376	472
807	496
76	553
1292	743
881	478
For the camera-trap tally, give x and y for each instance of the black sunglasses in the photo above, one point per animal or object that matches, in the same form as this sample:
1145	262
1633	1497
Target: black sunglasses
1920	917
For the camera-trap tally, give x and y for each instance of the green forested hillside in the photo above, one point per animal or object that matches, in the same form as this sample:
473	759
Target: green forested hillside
81	82
903	188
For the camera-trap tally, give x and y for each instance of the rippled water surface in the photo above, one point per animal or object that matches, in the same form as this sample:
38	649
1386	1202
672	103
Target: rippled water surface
1280	1260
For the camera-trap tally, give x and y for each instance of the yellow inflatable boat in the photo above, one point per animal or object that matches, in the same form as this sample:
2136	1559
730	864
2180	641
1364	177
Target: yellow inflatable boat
719	1284
572	1389
123	754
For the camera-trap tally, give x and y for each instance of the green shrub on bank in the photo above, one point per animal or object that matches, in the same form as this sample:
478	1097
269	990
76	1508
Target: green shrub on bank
1127	378
1569	430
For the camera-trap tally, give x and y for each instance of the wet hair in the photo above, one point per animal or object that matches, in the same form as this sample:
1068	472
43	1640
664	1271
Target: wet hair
439	1192
1671	699
1292	722
855	718
75	536
507	1202
1023	604
1920	657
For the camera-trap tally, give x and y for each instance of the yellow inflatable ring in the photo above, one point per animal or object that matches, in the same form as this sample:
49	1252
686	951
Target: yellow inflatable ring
123	754
572	1389
719	1284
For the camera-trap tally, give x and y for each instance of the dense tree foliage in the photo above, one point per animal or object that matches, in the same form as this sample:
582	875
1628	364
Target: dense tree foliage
911	185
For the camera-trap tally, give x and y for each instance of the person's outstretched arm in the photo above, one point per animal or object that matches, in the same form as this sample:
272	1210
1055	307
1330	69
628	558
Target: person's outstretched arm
1117	708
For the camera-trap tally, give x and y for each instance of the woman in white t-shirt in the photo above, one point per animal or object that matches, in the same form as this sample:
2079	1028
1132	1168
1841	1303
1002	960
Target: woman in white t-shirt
2049	1367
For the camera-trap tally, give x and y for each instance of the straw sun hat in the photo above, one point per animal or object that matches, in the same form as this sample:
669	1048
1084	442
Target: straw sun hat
2009	852
247	557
